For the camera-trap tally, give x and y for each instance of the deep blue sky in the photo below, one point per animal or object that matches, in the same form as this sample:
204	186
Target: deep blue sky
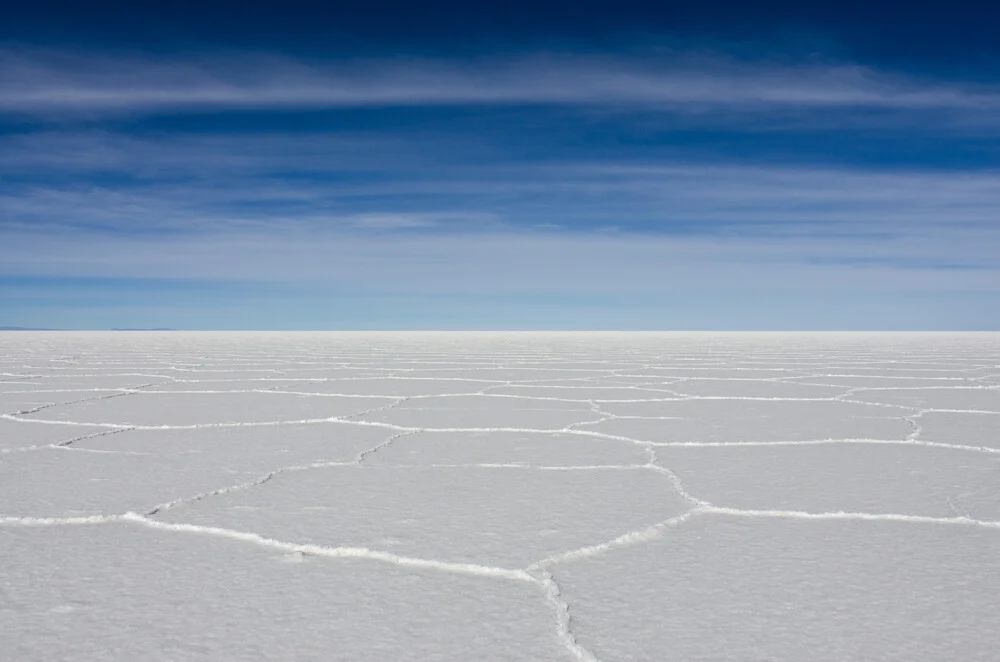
634	165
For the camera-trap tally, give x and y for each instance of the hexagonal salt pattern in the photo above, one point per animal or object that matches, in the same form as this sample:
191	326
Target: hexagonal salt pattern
528	496
483	411
961	398
729	588
872	478
960	429
735	419
142	469
753	388
16	434
497	516
508	448
22	402
123	591
396	387
189	409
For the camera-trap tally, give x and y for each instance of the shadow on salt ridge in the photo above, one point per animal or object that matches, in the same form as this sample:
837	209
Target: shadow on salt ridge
752	420
59	383
15	434
11	403
867	478
266	445
477	411
60	483
156	409
140	469
507	517
727	588
526	448
117	587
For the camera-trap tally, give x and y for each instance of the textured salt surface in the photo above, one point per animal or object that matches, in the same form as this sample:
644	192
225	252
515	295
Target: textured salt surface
501	496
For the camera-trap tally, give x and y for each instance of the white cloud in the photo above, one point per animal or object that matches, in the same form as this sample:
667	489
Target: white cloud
517	263
63	82
194	188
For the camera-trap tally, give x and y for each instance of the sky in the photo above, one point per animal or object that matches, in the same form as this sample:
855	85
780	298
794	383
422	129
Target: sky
500	165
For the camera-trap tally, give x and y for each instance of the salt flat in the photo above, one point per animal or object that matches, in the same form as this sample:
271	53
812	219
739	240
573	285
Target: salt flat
499	496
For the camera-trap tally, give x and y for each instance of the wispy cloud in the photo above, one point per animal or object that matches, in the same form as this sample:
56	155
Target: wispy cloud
550	228
327	183
47	82
516	263
547	178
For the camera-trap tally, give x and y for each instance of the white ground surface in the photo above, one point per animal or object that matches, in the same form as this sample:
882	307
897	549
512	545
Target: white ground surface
184	496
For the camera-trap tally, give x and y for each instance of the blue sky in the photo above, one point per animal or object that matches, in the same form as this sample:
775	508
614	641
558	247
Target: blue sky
499	165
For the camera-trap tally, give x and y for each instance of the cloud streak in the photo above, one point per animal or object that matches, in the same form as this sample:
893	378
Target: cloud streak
65	83
202	185
516	187
514	262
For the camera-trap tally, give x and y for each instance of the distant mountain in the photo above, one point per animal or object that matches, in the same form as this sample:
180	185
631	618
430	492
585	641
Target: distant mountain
23	328
38	328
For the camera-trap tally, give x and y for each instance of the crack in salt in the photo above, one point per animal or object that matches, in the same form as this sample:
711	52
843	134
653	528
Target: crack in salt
309	549
564	621
842	515
538	573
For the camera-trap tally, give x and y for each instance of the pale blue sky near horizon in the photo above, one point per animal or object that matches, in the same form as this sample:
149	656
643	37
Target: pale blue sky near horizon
441	166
